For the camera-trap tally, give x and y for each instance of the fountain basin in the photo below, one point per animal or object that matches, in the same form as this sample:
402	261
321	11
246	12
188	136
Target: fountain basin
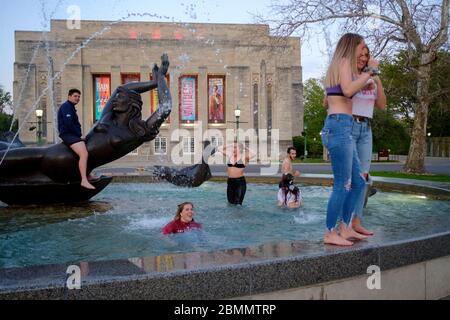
234	270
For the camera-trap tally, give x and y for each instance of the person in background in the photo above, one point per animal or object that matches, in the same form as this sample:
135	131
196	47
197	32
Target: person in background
238	158
289	195
183	221
287	163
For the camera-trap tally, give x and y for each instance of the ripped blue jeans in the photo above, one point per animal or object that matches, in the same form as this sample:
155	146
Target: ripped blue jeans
362	138
349	185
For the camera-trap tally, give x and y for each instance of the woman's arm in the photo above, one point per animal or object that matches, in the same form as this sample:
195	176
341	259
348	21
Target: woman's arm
350	87
250	154
224	149
381	101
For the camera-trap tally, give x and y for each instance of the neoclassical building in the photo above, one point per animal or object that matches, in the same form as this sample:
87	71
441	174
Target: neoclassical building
215	69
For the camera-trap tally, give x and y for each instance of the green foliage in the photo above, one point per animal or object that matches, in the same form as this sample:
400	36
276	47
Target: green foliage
5	99
399	80
315	148
5	122
315	115
5	119
389	133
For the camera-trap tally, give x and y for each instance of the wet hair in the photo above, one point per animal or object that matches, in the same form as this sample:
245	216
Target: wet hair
290	149
72	91
181	208
287	185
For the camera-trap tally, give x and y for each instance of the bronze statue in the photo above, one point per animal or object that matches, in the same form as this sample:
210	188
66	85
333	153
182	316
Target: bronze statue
51	175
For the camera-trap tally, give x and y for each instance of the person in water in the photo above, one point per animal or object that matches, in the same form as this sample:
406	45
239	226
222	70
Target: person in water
184	220
238	158
289	195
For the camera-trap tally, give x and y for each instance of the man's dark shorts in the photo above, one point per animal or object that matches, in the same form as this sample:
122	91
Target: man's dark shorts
69	139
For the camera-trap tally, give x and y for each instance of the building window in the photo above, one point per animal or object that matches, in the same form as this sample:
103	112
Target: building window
160	145
255	107
188	145
135	152
188	93
216	141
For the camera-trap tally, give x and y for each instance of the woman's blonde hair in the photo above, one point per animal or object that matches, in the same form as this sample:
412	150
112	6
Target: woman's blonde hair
180	209
345	48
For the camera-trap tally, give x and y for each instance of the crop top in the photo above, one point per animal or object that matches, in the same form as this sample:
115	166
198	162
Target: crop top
238	164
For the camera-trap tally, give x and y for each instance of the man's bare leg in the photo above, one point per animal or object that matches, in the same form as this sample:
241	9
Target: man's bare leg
80	149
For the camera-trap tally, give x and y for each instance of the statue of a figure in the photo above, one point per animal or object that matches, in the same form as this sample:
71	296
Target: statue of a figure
51	175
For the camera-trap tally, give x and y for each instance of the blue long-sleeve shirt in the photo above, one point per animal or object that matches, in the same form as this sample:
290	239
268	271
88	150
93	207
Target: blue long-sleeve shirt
68	123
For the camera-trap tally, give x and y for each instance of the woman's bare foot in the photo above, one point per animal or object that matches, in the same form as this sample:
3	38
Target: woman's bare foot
356	223
87	185
333	238
349	233
360	229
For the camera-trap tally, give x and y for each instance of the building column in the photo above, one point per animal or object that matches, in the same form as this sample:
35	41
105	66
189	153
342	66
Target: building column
263	111
116	78
88	97
202	100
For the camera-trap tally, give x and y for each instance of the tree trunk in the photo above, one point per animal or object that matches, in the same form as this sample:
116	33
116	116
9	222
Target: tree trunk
415	162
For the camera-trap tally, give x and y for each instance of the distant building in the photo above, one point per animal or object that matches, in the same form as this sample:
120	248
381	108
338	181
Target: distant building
214	68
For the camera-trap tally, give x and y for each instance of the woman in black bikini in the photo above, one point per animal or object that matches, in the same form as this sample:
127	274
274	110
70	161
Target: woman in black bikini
237	186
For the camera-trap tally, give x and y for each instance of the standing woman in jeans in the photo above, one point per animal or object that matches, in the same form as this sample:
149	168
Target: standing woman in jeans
336	135
370	96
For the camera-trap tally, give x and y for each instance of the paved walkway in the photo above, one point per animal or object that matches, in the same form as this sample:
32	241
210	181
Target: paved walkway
218	172
433	165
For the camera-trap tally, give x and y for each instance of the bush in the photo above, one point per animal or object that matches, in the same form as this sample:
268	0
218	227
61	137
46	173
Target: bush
5	122
315	148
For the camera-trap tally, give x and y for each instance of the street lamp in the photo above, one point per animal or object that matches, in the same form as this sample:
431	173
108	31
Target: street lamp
39	115
306	151
237	114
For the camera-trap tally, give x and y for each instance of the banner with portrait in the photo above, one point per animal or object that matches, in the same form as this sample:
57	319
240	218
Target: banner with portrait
216	99
188	98
102	90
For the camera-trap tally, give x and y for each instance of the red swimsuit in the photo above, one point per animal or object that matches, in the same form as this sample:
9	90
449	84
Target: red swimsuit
177	226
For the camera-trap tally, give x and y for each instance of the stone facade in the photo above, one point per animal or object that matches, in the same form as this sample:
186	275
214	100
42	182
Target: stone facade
262	75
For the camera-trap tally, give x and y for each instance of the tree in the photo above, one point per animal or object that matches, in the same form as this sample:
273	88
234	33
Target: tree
389	133
314	117
400	87
5	100
419	26
315	113
5	119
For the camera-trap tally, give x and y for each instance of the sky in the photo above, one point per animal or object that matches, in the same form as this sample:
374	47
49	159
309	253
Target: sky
33	15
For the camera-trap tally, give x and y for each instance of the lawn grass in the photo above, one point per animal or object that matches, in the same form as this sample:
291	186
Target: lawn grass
403	175
309	160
